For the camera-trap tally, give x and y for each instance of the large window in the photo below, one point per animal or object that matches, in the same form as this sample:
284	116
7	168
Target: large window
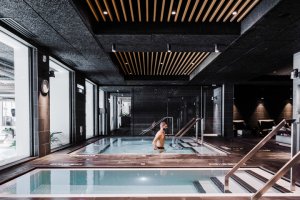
60	104
14	99
90	108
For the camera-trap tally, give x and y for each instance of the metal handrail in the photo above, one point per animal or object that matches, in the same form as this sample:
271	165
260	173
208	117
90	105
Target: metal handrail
185	129
251	153
156	123
294	160
188	128
185	126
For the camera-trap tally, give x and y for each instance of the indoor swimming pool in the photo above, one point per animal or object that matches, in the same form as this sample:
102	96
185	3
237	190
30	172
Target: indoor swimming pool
118	182
143	145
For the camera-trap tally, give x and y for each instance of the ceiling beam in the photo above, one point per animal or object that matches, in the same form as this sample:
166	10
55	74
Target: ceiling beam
212	56
192	28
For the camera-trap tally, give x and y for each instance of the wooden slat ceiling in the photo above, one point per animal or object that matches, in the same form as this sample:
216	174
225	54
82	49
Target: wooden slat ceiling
159	63
170	10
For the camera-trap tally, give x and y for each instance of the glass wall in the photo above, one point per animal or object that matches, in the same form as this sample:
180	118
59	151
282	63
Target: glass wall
90	108
14	99
101	113
60	104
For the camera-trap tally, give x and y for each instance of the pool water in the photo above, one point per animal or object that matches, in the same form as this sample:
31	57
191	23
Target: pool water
103	182
143	145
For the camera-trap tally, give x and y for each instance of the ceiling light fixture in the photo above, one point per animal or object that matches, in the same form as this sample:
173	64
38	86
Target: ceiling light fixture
234	13
105	12
169	48
173	12
216	49
113	48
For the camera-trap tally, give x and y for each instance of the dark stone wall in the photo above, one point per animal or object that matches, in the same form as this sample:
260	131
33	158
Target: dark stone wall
151	103
80	129
252	103
208	106
228	110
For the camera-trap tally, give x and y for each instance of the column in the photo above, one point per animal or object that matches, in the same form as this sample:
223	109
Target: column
227	115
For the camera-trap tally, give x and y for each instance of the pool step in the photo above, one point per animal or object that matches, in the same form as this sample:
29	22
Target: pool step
243	184
263	179
185	145
198	187
219	184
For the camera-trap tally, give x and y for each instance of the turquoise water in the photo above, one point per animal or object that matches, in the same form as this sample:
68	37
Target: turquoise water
142	146
131	146
121	181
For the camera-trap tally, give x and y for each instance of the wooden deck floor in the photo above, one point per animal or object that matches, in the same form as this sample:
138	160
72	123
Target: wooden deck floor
271	157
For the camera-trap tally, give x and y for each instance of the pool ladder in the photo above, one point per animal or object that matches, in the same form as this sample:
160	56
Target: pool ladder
186	128
288	166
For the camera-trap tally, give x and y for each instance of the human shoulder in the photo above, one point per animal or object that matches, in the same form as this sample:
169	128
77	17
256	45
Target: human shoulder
159	133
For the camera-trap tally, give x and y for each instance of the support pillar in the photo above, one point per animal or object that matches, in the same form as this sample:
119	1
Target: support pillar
227	114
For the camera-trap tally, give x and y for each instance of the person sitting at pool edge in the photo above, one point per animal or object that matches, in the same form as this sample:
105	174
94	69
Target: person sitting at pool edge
159	139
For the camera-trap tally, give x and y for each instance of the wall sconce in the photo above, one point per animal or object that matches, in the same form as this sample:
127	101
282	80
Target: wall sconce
214	98
80	88
45	87
169	48
113	48
52	74
295	74
216	49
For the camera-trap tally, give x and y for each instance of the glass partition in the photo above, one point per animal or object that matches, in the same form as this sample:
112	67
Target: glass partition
90	109
60	104
14	99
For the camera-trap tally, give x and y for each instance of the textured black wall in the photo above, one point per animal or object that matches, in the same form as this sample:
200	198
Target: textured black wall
253	103
228	111
79	110
152	103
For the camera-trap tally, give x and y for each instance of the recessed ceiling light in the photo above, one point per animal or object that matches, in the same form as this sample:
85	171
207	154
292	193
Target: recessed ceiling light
234	13
105	12
173	12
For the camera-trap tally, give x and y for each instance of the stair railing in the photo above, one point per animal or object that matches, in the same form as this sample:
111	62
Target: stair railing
294	160
184	130
251	153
